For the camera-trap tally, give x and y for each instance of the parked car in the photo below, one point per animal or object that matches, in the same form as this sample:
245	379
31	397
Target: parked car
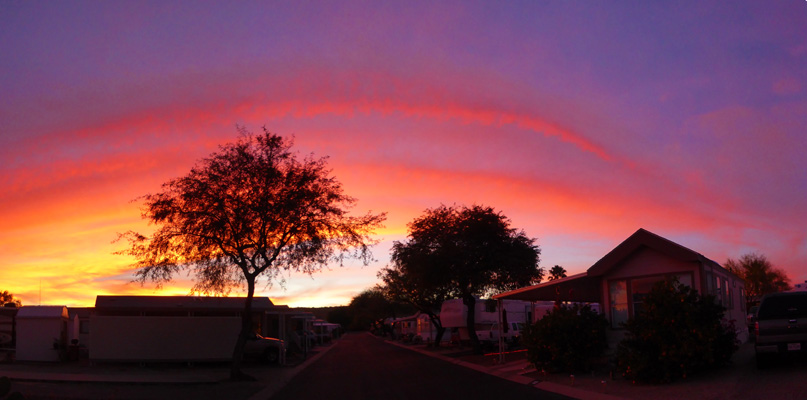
781	326
489	333
266	349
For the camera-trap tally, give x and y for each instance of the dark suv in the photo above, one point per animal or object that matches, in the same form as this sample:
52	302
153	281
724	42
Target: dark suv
781	326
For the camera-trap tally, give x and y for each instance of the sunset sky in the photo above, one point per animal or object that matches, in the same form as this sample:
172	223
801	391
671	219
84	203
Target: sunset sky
582	121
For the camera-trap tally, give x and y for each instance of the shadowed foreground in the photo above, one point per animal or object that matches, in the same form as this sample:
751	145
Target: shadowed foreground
364	367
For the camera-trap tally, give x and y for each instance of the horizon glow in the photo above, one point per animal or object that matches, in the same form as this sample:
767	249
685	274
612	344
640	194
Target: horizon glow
580	122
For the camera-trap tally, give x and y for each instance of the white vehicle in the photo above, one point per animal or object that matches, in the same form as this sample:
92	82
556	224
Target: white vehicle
490	333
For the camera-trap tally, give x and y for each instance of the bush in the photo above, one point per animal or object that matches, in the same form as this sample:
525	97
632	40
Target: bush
676	333
5	389
567	339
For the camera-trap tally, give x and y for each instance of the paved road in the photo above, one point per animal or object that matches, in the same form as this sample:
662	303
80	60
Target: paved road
361	366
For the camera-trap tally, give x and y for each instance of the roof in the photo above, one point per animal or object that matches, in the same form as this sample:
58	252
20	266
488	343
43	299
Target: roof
179	303
585	287
82	312
579	287
408	318
645	239
42	312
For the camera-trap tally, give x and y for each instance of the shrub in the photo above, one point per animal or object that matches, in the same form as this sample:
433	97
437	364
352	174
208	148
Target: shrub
5	389
567	339
676	333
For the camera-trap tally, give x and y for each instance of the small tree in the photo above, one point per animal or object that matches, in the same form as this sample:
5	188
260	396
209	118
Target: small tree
676	333
557	272
759	275
420	288
465	252
6	298
569	338
370	306
250	210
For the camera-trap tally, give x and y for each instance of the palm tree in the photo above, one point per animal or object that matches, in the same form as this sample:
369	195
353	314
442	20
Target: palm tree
557	272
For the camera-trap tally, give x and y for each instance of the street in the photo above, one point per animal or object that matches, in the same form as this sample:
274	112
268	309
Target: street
365	367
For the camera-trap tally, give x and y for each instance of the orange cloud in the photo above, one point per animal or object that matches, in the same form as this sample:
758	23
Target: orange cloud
63	207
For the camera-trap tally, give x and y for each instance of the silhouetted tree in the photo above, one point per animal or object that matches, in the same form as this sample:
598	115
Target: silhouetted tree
759	275
557	272
464	252
421	288
6	297
371	306
250	210
339	315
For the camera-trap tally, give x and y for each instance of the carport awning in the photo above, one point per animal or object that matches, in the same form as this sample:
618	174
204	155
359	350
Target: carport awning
577	288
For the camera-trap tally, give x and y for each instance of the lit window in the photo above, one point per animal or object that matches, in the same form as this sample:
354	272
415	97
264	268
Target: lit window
636	290
618	299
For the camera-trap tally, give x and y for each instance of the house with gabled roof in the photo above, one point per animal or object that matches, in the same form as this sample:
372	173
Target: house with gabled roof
620	280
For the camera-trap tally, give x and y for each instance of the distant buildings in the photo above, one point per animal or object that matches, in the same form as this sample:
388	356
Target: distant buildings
150	328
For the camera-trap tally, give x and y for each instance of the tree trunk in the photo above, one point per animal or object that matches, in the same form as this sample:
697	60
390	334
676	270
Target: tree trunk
435	320
246	329
470	321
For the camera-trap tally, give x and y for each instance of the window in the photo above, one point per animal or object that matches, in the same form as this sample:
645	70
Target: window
718	291
618	298
84	326
726	294
685	279
626	296
639	288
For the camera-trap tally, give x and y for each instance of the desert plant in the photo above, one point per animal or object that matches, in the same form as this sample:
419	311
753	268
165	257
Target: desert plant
676	333
568	339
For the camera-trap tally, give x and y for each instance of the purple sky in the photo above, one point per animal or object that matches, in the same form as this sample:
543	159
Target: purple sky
582	121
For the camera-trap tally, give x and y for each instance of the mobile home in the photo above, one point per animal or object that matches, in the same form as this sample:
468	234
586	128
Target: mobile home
419	326
514	313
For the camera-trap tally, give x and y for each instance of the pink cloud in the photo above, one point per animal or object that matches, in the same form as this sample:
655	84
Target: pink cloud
787	86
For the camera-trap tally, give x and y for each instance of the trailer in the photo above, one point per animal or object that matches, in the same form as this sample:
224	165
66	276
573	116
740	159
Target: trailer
514	314
417	327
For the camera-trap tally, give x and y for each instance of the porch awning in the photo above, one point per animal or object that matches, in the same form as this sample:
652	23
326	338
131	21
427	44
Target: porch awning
576	288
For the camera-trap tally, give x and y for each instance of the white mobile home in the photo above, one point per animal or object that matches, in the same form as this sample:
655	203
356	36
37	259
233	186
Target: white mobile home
453	314
419	326
175	328
41	333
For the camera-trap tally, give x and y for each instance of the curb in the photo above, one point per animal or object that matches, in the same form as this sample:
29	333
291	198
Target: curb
120	380
279	379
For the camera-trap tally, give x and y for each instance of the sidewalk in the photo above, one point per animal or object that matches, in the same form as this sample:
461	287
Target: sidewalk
269	379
